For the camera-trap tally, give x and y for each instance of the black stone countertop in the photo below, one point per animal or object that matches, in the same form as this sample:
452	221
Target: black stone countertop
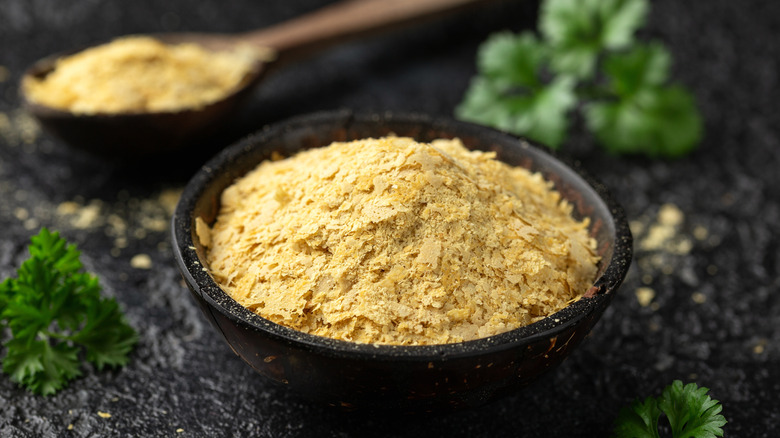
700	303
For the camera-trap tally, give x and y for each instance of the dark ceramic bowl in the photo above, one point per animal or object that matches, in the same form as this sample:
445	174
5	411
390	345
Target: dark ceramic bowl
405	378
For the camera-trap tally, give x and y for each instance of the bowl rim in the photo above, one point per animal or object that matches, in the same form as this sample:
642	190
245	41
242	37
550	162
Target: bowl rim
202	284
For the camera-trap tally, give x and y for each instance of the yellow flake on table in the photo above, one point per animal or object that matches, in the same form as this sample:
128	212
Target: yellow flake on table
168	198
141	261
760	346
19	128
82	216
644	295
700	232
21	213
31	223
670	215
664	230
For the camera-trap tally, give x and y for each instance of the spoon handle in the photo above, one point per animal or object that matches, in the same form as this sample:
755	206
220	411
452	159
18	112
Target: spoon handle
344	20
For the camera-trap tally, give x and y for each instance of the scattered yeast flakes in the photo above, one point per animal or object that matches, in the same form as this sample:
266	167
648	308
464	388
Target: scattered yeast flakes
18	128
141	261
82	216
664	234
397	242
645	296
137	73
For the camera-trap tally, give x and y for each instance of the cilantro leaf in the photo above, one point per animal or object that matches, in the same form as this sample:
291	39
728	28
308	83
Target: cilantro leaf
639	421
54	311
690	411
632	71
510	95
656	121
532	86
578	30
515	60
645	116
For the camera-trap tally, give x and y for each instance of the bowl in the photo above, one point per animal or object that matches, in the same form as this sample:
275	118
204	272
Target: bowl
419	378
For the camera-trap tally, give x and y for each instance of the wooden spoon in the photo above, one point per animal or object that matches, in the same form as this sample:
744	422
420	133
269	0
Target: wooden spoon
134	135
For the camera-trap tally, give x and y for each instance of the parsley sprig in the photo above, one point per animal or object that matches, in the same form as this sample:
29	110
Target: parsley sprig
55	314
690	411
586	58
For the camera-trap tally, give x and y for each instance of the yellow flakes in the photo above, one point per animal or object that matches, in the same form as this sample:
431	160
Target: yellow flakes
645	296
141	261
135	74
391	241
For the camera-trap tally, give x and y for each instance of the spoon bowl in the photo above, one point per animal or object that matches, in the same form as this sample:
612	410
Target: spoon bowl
138	135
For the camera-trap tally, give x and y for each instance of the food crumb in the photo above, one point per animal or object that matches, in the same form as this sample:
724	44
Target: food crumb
31	224
70	426
180	430
670	215
21	213
82	217
19	128
700	232
645	296
141	261
103	414
398	242
169	198
698	297
760	346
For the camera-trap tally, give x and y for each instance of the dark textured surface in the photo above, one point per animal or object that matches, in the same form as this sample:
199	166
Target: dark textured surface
714	318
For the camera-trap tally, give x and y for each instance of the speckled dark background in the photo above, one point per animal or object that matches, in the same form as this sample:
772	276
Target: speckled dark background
714	318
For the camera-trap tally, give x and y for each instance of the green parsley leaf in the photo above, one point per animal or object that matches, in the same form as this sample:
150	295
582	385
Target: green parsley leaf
510	95
55	311
579	30
642	67
106	343
644	116
42	367
531	87
639	421
514	60
690	411
656	121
